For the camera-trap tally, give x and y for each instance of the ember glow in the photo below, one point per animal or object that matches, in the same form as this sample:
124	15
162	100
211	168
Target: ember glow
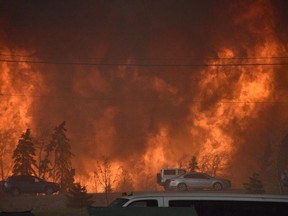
148	85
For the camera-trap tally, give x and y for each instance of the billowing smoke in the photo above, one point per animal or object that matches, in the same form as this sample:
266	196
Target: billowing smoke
117	72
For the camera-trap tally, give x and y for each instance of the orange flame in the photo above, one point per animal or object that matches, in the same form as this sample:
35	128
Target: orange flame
226	96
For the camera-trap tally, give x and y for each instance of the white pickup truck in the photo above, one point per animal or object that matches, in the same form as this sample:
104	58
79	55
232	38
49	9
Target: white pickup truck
194	204
165	174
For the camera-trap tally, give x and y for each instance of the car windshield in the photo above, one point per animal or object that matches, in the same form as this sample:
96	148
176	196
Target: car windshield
183	174
102	98
208	176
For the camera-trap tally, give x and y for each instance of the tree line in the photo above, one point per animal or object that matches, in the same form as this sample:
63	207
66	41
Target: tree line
212	164
50	156
54	158
272	169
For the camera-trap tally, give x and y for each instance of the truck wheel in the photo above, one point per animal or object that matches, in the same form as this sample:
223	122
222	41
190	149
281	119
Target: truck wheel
182	187
217	186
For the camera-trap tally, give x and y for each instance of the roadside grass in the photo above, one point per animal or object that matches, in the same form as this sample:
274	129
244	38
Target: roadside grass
55	205
62	212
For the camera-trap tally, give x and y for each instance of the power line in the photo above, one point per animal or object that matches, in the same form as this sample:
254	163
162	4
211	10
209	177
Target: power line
225	101
103	64
149	59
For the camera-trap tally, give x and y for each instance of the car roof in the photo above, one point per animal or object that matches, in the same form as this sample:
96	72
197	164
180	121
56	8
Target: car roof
20	176
212	196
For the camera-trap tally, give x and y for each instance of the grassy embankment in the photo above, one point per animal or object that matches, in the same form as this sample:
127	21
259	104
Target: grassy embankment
42	205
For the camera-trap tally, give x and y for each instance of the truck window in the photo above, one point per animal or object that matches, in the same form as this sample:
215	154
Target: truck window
235	208
170	172
144	203
181	203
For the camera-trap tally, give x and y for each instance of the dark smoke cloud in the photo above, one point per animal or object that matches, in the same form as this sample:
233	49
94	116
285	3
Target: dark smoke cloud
144	32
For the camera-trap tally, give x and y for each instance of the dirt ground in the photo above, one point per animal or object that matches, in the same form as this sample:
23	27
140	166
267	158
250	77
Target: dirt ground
43	205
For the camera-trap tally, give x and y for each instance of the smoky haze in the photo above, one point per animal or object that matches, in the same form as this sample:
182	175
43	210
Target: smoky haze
117	110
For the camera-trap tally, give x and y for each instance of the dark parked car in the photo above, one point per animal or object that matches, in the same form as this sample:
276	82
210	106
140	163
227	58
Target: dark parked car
1	186
198	180
17	213
29	184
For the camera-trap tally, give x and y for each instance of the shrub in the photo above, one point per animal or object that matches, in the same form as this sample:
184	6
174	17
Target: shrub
77	196
254	186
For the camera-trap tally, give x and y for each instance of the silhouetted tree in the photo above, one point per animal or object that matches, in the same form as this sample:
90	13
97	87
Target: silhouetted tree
282	162
41	143
44	167
193	164
268	165
254	186
62	171
182	161
213	163
104	176
77	196
265	160
23	155
125	182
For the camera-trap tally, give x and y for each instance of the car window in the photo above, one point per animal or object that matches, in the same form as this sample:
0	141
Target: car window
13	178
181	172
206	175
36	179
188	176
201	176
22	178
29	178
144	203
196	176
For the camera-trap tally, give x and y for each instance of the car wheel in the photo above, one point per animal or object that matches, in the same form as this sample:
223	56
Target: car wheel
217	186
182	187
48	191
15	192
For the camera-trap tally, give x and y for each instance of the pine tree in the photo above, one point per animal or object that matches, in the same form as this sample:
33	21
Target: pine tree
77	196
44	167
254	186
41	143
23	155
62	171
193	164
